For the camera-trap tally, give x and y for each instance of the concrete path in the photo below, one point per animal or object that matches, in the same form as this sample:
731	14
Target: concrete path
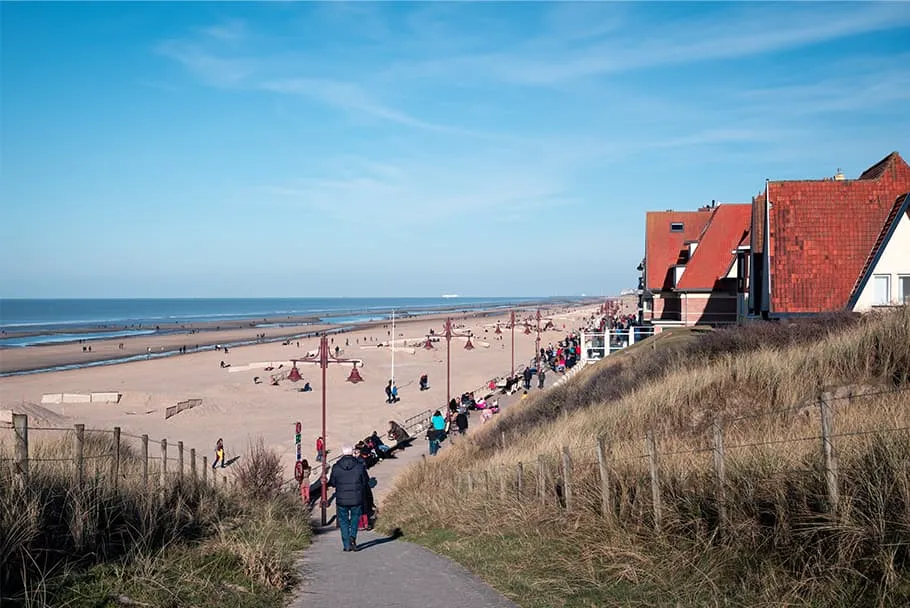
388	572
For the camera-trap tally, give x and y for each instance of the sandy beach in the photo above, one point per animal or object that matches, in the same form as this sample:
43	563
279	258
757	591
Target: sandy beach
239	410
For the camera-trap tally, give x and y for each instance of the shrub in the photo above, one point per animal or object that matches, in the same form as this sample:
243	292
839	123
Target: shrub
259	473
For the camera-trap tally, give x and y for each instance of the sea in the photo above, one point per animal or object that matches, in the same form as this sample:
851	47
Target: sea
32	322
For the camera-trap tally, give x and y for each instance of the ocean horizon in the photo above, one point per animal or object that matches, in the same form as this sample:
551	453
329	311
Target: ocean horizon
32	321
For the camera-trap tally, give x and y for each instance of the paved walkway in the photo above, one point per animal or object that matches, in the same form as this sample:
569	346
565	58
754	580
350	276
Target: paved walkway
390	572
387	572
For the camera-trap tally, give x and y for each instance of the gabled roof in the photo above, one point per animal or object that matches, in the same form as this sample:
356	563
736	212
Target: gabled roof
822	233
727	228
662	246
893	161
900	208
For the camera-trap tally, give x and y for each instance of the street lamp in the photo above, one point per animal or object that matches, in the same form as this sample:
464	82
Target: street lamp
512	325
323	358
448	335
537	345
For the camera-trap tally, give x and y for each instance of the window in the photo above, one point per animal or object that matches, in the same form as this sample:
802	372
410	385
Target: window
904	289
676	227
882	293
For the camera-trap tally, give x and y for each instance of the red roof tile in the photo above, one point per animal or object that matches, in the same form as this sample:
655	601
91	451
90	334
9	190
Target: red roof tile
663	247
822	233
727	228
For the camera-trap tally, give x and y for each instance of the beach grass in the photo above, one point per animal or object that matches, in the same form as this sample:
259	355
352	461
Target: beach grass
184	544
780	541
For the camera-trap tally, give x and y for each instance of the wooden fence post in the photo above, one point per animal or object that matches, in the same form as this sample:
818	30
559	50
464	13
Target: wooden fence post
162	479
115	460
520	480
655	481
606	498
215	477
205	469
829	455
486	485
145	461
503	484
720	471
180	460
79	453
20	427
193	470
502	440
567	477
470	482
541	479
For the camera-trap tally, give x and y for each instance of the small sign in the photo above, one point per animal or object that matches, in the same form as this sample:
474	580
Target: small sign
298	471
297	429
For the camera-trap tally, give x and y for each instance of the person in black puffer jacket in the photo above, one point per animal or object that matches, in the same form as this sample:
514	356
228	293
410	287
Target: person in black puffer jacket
350	479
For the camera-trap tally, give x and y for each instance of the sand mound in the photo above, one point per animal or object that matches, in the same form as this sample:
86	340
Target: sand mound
38	415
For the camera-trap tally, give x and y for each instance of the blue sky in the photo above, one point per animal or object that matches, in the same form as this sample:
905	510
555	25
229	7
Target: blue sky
382	149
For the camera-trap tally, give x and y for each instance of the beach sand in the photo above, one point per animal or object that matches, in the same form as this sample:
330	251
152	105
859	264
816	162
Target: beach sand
239	411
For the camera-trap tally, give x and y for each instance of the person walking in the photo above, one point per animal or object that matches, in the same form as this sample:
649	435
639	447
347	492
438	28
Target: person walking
388	392
461	422
320	449
306	471
541	376
219	454
350	479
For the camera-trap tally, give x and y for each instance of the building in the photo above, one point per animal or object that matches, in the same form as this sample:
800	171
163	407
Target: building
832	244
694	271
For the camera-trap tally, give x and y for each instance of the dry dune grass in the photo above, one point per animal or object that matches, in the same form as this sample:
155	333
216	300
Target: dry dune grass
782	542
100	543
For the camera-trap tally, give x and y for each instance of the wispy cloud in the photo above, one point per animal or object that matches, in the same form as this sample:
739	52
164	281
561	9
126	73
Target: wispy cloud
561	55
209	67
350	96
230	30
424	192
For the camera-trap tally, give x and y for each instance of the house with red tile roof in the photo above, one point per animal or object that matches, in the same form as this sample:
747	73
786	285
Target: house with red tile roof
695	270
832	244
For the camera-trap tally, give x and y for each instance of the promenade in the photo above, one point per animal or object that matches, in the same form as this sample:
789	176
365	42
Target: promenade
389	571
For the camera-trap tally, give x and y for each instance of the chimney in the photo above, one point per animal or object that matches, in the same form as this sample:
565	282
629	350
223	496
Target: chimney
839	176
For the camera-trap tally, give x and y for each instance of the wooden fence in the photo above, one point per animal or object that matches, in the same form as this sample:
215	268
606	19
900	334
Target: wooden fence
573	482
102	454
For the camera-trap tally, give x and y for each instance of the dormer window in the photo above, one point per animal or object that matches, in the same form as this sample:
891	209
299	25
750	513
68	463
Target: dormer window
676	227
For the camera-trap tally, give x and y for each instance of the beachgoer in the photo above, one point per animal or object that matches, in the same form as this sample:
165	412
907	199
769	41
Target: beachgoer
397	432
320	449
305	482
395	398
433	436
541	376
388	392
438	421
219	454
461	422
350	479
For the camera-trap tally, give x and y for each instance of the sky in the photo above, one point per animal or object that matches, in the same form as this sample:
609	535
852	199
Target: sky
397	149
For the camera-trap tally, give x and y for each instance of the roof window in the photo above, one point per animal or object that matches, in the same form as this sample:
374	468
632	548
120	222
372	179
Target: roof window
676	227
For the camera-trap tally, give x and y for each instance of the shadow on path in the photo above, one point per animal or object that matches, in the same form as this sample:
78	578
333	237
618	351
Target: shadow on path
396	534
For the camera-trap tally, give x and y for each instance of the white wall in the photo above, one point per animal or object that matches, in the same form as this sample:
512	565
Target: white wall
895	262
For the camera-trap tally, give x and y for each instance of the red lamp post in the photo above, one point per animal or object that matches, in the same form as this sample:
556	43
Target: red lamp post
537	345
323	358
512	325
448	334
